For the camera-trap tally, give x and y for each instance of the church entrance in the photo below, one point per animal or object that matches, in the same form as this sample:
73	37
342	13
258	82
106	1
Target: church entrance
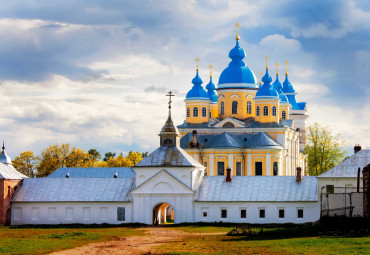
163	213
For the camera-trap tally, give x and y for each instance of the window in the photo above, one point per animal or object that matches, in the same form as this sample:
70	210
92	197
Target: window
281	213
52	213
249	107
86	213
258	168
195	112
262	213
300	213
257	111
9	191
283	115
265	111
204	112
188	112
220	168
274	111
204	212
120	213
35	213
238	168
222	107
275	168
103	213
329	189
243	213
69	213
234	107
223	213
18	213
205	165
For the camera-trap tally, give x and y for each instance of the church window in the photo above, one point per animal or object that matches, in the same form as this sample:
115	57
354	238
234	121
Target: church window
258	168
283	115
223	213
262	213
281	213
238	168
220	168
300	213
188	112
265	110
222	107
274	111
120	213
205	212
249	107
195	112
275	168
329	189
243	213
204	112
257	111
234	107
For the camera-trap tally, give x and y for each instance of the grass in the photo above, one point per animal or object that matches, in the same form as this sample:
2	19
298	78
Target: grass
42	240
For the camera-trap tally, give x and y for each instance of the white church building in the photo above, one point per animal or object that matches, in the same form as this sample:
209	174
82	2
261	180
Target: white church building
166	186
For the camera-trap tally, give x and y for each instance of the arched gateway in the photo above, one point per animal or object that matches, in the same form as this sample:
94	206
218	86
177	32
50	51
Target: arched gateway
163	213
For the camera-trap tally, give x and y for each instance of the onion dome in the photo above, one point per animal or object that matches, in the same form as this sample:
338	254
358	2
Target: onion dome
277	85
290	93
287	86
197	91
267	90
211	91
237	71
169	136
4	158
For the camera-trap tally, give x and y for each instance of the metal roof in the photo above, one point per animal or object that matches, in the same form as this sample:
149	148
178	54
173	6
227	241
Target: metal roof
93	172
74	190
349	166
169	157
258	189
10	173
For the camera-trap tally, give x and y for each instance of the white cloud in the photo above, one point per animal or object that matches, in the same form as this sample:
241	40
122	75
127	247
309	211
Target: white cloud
279	42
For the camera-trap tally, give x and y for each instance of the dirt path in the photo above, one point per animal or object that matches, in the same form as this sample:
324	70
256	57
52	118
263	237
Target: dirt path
133	244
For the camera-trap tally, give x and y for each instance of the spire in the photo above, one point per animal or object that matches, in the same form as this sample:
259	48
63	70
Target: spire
169	136
277	68
210	70
237	25
267	62
4	158
3	146
169	102
286	67
197	59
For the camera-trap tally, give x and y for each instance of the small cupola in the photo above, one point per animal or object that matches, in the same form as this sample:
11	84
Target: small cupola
4	158
169	136
267	90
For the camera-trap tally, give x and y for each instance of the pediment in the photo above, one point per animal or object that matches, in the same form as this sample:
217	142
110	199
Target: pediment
228	121
162	183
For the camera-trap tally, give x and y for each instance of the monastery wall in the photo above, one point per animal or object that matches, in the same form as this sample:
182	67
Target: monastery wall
7	189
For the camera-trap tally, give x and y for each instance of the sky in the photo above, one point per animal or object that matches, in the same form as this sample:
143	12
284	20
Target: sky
95	73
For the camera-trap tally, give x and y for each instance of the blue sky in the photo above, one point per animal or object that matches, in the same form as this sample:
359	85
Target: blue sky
94	73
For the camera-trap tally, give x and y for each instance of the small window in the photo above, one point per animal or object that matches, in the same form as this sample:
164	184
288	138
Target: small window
120	213
257	111
222	107
223	213
265	111
329	189
204	112
188	112
243	213
195	112
205	212
300	213
281	213
258	168
234	107
274	111
262	213
220	168
275	168
283	115
249	107
238	168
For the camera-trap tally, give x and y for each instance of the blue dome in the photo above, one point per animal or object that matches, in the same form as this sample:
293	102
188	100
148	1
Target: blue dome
277	85
211	91
287	87
267	90
237	71
197	91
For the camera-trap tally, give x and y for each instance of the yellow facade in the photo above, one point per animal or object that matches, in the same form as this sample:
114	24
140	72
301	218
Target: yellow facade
284	107
270	104
241	97
214	110
197	111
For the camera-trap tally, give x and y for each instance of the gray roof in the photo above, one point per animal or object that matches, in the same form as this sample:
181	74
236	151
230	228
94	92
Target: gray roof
256	140
10	173
258	189
93	172
74	190
349	166
168	157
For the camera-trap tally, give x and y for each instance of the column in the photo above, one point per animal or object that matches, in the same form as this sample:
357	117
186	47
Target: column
249	164
268	164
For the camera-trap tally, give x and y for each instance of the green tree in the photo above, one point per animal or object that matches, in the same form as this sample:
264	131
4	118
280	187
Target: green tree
109	155
95	153
26	163
323	150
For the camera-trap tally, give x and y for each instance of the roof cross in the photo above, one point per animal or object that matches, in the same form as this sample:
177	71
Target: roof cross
237	25
260	73
197	59
277	68
286	67
210	69
267	62
170	94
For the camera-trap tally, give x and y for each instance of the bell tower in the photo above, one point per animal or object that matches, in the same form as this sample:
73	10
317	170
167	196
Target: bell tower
169	136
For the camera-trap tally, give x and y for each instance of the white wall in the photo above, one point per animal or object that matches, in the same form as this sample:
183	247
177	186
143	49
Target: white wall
311	212
339	182
68	212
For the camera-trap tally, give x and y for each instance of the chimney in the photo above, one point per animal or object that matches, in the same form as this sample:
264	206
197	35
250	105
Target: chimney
194	142
357	148
299	174
228	174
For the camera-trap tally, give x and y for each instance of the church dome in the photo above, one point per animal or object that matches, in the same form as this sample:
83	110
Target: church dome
237	71
287	86
211	91
277	85
4	158
267	90
197	91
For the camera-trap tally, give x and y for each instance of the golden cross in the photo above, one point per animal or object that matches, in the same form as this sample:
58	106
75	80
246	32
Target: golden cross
237	25
170	94
210	69
286	67
267	62
277	67
197	59
260	73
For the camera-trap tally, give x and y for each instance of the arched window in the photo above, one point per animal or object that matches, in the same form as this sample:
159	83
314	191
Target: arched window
257	111
265	111
249	107
283	115
188	112
222	107
234	107
274	111
204	112
195	112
